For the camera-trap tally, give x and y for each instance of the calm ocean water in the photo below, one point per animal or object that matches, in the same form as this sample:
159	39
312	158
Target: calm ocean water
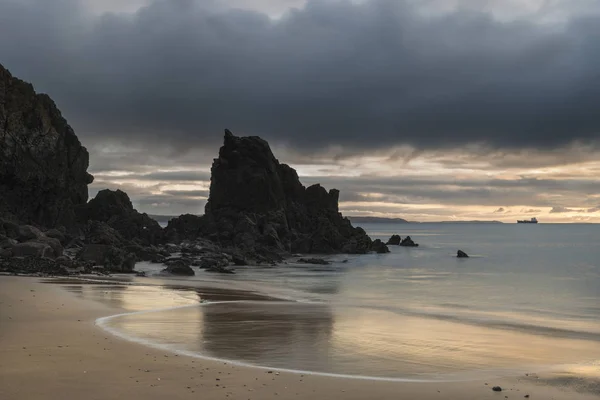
528	299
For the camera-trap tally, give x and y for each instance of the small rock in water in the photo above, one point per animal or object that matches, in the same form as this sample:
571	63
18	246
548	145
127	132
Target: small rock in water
408	242
317	261
497	389
394	240
461	254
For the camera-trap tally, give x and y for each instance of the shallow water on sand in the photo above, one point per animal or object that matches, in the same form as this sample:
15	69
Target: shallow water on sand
528	299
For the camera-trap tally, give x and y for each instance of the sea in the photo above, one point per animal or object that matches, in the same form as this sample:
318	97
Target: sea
526	300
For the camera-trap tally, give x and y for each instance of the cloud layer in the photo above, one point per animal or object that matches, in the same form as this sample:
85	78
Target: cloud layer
366	75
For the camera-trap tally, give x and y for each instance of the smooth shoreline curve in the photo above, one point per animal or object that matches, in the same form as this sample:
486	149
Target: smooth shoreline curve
102	323
52	349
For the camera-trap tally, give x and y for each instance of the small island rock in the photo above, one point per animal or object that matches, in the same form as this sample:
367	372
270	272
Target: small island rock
461	254
394	240
408	242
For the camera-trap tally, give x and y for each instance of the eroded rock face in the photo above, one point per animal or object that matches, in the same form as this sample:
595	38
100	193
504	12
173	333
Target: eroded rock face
259	206
43	166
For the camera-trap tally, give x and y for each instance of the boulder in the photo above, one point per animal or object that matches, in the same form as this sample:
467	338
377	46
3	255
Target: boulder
57	234
317	261
179	268
408	242
379	247
7	243
461	254
64	261
28	232
54	243
43	166
112	258
213	262
145	253
394	240
9	228
32	249
96	232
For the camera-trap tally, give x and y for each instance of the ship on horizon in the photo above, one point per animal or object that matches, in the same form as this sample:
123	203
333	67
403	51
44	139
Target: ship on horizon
528	221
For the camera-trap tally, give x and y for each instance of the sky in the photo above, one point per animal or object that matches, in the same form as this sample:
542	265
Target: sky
426	110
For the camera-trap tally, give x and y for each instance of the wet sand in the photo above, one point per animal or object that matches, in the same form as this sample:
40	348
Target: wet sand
52	349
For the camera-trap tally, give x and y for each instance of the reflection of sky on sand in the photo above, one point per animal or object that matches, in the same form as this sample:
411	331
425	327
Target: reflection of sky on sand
134	298
355	341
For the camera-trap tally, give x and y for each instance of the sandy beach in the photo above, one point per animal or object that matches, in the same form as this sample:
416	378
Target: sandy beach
52	349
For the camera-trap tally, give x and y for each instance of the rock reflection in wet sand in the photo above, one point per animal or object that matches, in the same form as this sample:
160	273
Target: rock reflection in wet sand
346	340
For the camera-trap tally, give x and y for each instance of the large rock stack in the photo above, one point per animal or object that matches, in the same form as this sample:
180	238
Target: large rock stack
43	166
257	204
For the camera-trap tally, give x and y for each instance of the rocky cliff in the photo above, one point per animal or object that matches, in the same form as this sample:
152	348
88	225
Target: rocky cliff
43	166
258	204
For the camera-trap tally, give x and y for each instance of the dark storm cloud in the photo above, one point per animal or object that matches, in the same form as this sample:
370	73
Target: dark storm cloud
366	75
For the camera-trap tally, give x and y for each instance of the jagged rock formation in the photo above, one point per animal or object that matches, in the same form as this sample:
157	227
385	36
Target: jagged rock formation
114	209
43	166
259	206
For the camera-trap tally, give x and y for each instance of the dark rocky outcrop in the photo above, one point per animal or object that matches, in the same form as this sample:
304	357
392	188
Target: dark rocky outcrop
43	166
111	258
461	254
379	247
259	207
115	210
184	227
408	242
394	240
257	212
